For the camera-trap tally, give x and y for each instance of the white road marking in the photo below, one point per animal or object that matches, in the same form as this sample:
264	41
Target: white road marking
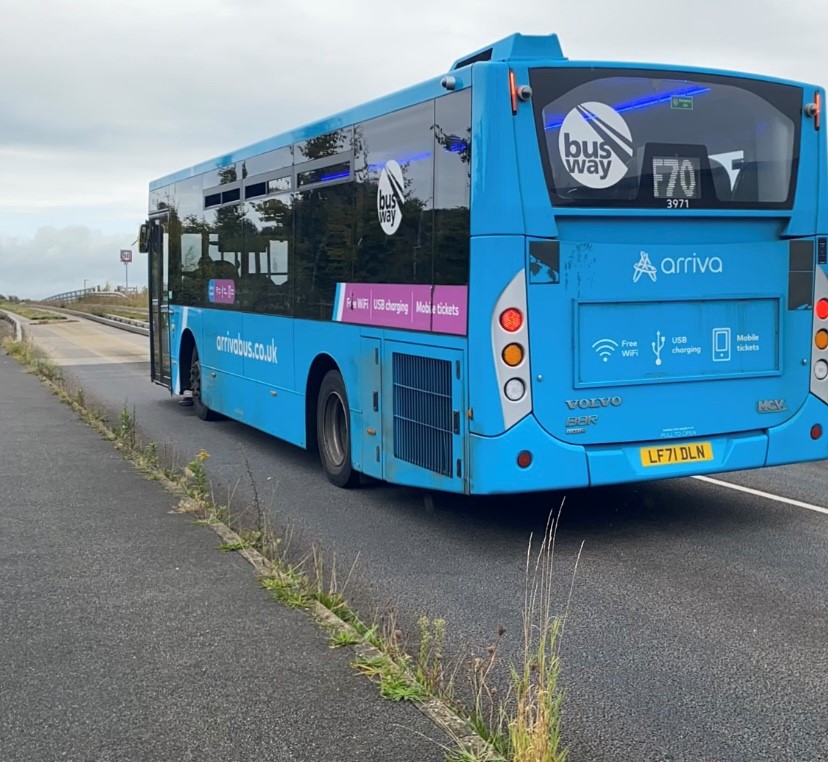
759	493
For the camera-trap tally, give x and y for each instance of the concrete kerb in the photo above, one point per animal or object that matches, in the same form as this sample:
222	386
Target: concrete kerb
128	321
125	324
433	708
16	321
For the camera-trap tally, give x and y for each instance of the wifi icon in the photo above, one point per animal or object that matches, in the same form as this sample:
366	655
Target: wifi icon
604	348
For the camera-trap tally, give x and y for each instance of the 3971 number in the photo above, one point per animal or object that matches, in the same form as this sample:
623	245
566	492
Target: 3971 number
678	203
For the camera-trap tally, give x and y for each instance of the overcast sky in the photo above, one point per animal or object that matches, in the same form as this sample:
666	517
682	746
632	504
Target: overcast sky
97	97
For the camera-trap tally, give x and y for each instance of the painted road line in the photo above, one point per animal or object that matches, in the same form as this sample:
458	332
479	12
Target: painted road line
759	493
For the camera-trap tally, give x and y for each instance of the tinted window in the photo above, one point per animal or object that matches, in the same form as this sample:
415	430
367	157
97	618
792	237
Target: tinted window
185	226
641	138
255	189
331	173
267	162
161	199
285	253
452	184
279	184
329	144
221	176
267	265
205	258
324	253
397	248
208	257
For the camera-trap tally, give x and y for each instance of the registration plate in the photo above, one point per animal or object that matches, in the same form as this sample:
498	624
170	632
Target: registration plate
678	453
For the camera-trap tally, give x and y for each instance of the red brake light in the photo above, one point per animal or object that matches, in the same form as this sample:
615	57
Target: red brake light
511	319
822	309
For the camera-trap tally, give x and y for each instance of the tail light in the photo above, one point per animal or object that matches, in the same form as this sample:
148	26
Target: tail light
819	350
510	349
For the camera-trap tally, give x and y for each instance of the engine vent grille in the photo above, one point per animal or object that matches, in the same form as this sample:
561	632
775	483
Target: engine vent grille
423	420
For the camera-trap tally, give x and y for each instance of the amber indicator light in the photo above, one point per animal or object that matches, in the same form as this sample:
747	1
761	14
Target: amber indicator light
513	355
513	91
821	339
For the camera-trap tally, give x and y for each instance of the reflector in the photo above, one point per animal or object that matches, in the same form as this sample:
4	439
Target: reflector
511	319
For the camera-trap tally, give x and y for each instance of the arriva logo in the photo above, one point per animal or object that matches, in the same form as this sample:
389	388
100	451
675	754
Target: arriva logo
390	197
692	265
595	145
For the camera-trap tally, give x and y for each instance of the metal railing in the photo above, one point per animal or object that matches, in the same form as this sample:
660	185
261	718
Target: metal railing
67	297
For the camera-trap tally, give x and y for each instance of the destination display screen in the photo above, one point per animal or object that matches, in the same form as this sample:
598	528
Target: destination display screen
676	177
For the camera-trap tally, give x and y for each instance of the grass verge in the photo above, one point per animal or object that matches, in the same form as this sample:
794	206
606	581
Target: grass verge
521	723
30	313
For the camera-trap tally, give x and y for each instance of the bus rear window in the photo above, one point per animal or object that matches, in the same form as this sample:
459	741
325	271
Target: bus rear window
631	138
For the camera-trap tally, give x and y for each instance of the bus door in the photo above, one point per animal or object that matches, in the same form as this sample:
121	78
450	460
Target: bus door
158	250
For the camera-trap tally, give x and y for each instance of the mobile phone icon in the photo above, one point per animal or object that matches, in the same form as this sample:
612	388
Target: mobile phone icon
721	344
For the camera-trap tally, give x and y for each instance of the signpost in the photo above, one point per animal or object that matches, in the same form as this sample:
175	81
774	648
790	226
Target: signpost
126	258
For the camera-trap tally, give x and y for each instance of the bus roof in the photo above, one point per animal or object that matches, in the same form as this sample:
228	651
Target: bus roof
515	47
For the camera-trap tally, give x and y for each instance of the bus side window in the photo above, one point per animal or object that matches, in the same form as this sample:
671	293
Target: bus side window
394	244
452	168
267	277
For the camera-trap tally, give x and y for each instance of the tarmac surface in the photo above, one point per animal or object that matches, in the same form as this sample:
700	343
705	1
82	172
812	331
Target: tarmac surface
126	635
699	613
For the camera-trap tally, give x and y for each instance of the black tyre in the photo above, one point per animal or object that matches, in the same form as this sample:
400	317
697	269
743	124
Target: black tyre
333	431
201	410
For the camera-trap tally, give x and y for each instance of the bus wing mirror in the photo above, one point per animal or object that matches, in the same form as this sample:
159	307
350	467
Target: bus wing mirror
143	238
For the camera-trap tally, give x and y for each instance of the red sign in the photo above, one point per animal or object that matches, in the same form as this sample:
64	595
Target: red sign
126	255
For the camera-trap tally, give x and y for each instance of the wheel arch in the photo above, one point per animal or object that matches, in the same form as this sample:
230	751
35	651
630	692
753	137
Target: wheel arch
321	364
185	359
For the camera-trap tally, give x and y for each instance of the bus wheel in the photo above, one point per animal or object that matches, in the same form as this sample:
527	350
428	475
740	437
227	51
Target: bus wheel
201	410
333	431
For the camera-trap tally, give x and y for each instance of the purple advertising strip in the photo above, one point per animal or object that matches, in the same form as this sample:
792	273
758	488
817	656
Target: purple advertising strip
221	291
438	309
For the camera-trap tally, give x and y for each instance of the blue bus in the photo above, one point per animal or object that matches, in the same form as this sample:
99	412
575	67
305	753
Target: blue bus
527	273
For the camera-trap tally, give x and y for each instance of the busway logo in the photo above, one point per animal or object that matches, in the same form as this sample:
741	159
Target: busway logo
595	144
390	197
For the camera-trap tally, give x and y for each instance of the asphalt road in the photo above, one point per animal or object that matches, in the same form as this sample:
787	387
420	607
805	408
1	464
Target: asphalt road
126	635
698	628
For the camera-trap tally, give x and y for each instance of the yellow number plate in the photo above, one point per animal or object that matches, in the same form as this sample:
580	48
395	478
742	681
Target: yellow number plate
680	453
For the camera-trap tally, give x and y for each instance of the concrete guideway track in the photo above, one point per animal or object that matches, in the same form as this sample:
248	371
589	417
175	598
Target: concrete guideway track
700	613
78	341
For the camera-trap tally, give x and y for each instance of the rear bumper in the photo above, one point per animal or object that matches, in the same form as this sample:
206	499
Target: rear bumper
791	441
557	465
613	464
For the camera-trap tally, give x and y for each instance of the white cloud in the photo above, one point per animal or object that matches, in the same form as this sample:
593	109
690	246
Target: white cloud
99	98
55	260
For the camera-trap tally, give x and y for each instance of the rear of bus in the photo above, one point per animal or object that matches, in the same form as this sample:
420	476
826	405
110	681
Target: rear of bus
662	307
